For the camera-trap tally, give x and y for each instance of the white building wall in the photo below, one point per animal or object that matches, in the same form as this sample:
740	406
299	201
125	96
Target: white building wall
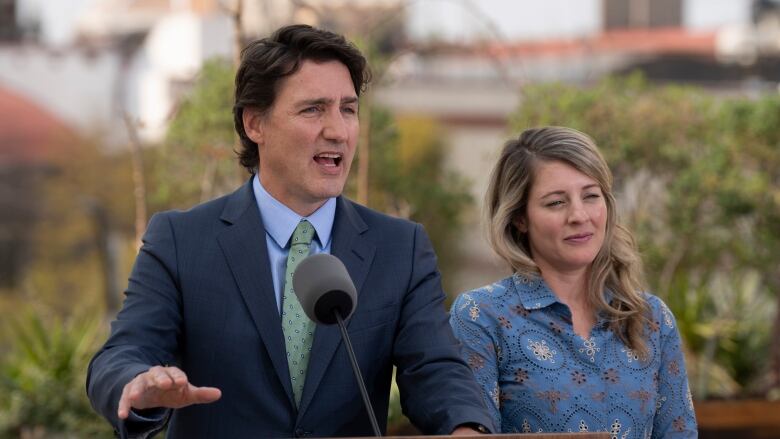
714	14
536	20
75	86
175	49
216	37
504	19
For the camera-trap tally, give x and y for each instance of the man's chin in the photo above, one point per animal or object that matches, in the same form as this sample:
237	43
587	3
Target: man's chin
321	197
330	189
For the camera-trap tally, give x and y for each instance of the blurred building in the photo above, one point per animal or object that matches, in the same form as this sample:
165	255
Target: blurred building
121	61
749	44
103	62
9	29
99	64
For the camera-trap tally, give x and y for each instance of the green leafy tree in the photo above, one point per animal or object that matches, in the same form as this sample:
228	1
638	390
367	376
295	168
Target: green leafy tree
197	161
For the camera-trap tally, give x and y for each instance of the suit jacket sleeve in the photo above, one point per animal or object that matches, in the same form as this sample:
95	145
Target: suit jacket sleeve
438	390
145	332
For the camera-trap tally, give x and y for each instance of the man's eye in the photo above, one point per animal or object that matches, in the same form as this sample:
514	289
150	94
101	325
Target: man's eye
310	110
349	110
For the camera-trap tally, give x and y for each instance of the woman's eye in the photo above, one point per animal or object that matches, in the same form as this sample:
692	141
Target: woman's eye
554	203
592	196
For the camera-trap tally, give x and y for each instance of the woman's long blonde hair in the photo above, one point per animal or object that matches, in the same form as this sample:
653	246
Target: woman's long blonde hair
617	267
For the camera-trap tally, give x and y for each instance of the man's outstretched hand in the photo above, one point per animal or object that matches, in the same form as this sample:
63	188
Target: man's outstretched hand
166	387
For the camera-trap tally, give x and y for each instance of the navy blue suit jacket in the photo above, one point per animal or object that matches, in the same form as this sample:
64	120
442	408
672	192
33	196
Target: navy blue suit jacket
201	297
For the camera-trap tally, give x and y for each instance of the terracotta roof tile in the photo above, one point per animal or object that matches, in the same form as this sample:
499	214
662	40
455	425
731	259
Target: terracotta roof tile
29	133
658	41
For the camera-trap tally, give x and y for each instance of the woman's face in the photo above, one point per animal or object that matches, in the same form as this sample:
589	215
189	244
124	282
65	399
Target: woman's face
566	218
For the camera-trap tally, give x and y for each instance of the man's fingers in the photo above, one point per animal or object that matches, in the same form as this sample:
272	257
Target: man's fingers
124	404
163	387
204	395
136	394
160	378
177	375
131	393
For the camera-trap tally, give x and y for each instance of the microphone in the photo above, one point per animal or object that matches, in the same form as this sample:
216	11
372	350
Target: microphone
323	286
327	295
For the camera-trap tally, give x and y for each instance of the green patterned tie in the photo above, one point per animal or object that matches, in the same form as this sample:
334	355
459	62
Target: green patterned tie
298	329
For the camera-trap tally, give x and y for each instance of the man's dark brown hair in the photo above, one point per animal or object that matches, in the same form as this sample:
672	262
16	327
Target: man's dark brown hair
266	62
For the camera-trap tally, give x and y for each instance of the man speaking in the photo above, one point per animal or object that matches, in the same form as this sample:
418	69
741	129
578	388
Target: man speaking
211	338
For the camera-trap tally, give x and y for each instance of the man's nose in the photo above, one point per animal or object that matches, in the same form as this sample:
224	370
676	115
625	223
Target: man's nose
335	127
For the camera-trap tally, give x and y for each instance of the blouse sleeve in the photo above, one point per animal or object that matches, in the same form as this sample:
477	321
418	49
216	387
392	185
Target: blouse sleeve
478	349
674	416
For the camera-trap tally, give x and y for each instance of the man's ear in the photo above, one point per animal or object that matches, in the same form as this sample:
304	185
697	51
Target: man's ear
253	125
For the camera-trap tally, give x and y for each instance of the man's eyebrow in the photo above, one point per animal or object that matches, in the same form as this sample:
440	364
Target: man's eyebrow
316	101
327	101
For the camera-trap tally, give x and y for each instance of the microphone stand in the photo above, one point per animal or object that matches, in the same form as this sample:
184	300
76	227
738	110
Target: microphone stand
358	376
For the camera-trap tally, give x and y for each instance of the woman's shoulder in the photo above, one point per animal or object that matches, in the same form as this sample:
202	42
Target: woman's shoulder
482	298
661	314
487	292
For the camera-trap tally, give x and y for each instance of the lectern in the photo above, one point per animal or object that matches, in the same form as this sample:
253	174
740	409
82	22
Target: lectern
588	435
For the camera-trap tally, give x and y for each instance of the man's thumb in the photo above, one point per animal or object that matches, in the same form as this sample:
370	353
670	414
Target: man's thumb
203	395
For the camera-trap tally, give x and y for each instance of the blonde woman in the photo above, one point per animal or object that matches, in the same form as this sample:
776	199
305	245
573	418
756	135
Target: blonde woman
570	341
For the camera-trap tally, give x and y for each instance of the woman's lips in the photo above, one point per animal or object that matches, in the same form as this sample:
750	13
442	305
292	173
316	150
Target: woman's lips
579	238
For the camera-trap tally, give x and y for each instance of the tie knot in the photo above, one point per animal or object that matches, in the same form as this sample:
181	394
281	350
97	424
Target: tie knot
303	234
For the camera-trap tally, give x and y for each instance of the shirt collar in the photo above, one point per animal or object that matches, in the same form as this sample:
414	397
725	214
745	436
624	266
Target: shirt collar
280	221
534	292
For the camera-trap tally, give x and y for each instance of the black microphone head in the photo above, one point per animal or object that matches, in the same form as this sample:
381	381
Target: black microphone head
323	285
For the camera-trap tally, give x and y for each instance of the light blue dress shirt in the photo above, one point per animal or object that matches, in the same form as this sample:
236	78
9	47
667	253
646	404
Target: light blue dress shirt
280	222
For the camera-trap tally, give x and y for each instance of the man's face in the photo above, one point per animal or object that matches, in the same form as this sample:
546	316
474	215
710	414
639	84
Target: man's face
307	139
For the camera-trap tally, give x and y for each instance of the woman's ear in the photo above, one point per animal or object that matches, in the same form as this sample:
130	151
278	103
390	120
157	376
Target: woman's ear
253	125
521	225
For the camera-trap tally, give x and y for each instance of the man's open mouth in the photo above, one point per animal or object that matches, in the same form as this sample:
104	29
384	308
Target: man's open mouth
328	159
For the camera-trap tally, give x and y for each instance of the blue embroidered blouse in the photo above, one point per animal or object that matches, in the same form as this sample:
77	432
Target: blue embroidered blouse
538	375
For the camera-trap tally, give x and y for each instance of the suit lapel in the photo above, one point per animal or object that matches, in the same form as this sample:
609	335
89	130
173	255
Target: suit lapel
350	246
244	246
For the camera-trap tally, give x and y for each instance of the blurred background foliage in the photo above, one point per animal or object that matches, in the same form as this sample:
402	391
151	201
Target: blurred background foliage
80	261
697	179
197	161
42	376
408	179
